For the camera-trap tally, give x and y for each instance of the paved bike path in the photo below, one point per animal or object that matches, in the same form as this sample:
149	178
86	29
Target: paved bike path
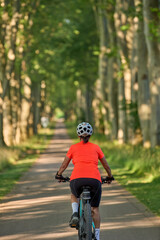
39	208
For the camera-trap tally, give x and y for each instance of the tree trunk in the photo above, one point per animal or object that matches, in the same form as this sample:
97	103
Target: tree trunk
134	117
7	120
112	72
15	101
18	93
103	69
88	103
112	97
79	105
124	95
96	105
143	80
151	25
36	106
25	106
2	143
122	120
3	82
8	42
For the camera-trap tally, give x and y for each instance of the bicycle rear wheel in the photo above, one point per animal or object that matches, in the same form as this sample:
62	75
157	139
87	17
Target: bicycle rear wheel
87	221
81	234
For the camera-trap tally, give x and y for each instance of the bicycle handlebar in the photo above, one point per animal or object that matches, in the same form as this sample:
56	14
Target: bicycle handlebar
103	179
66	179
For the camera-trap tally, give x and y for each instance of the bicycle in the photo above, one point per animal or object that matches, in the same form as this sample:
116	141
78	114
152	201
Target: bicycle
86	227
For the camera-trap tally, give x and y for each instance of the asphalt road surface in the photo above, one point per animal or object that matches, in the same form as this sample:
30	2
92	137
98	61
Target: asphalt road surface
39	207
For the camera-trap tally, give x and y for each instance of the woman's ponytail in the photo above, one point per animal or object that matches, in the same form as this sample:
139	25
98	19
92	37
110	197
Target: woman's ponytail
85	139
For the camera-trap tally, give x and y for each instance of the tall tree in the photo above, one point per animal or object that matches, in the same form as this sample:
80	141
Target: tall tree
151	26
143	78
101	92
112	70
9	20
121	24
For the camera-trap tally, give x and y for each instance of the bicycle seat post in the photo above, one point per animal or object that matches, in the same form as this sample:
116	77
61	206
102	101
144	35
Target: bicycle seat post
86	193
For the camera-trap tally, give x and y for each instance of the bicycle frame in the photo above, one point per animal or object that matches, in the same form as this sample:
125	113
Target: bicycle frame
85	201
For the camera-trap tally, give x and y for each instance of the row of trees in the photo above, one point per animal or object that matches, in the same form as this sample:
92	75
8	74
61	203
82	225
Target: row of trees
23	42
44	59
129	68
96	60
15	82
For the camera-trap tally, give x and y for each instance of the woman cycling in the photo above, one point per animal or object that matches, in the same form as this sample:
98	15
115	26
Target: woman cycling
85	156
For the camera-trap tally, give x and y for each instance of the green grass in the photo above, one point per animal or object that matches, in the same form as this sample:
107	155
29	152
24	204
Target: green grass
15	161
134	167
8	157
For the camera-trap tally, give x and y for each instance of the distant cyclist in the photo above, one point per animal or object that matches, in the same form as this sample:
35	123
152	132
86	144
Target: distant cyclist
85	156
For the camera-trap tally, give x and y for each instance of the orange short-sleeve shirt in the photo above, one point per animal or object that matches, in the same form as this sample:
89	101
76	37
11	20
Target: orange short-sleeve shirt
85	158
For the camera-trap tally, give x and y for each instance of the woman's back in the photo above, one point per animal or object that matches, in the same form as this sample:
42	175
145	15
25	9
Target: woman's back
85	159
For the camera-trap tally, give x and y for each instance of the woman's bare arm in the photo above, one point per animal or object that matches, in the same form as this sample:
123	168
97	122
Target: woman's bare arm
106	166
64	165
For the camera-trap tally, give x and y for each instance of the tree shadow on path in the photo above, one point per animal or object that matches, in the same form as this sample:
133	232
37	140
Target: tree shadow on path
39	207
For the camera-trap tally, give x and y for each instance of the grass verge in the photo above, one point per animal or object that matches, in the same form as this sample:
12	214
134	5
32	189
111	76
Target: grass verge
134	167
15	161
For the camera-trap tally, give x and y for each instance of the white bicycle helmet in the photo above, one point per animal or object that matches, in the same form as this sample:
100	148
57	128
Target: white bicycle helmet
84	129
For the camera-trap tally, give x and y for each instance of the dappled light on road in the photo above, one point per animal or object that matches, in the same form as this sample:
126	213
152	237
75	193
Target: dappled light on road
123	215
125	224
34	202
51	235
39	207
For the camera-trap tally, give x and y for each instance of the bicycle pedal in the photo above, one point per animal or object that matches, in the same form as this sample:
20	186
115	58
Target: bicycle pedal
73	226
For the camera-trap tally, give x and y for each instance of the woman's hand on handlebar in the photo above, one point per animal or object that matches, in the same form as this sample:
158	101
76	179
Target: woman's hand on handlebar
60	178
107	179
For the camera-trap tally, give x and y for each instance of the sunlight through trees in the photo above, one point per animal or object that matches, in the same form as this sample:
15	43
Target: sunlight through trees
95	60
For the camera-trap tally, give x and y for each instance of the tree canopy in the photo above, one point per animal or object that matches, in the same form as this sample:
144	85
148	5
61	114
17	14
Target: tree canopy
96	60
